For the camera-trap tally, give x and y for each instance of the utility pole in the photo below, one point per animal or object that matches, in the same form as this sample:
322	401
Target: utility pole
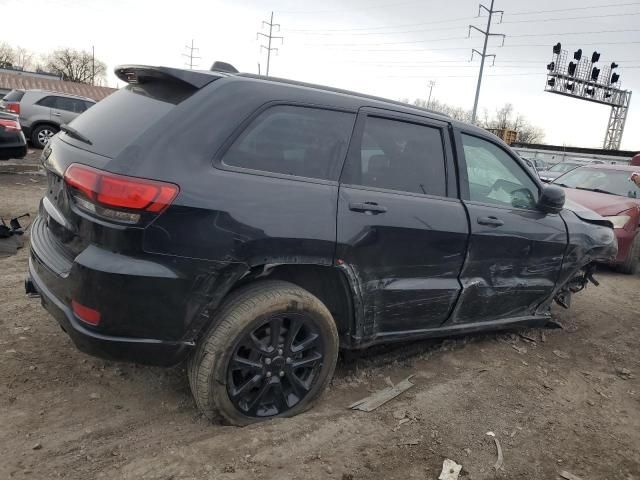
191	56
431	84
269	38
487	33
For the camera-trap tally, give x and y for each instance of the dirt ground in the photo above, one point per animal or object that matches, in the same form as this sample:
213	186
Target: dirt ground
557	399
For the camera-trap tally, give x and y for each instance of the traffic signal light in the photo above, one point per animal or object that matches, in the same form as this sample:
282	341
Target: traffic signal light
614	78
572	69
595	73
557	48
595	57
551	82
551	66
614	65
591	91
569	86
577	55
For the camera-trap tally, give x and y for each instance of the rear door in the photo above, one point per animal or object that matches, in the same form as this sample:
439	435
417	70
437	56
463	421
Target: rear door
515	251
401	229
65	109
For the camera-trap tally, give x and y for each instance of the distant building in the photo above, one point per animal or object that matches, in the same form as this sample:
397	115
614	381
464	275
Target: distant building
11	79
507	135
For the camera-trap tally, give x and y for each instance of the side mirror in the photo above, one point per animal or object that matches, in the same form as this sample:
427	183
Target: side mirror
551	199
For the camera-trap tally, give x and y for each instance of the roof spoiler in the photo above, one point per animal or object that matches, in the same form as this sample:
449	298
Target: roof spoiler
134	74
223	67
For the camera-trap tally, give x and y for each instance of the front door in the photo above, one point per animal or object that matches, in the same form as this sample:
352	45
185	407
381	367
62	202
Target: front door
400	230
515	251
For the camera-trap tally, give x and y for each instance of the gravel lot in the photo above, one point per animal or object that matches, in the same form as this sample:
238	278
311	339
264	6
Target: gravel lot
557	399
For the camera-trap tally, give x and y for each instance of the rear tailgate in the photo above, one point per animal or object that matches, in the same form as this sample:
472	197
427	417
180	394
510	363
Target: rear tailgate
102	133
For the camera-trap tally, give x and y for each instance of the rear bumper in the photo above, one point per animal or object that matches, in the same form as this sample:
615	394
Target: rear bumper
139	350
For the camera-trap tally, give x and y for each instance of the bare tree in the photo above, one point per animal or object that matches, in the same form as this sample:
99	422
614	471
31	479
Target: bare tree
503	117
76	66
7	55
23	58
530	134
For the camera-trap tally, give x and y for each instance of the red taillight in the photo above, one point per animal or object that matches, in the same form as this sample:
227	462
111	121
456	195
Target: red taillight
86	314
13	107
10	125
119	191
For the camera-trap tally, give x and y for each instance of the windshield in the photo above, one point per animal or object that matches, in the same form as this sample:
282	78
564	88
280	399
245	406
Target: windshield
563	167
615	182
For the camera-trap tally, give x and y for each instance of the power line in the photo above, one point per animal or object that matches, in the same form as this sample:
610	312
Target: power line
369	7
572	33
563	19
269	38
486	33
450	20
327	33
536	12
191	56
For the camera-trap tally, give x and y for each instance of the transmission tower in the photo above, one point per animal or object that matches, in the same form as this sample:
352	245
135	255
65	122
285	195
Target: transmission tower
191	55
270	37
483	55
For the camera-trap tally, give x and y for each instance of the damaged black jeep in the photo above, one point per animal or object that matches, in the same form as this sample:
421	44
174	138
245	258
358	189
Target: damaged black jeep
253	226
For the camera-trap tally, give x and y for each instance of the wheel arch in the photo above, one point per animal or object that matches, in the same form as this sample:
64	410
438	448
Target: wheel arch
330	284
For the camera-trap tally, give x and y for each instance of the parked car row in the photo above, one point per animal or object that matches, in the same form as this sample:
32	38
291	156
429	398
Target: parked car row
12	141
41	113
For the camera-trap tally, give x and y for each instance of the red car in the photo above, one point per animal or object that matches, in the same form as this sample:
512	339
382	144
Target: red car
609	191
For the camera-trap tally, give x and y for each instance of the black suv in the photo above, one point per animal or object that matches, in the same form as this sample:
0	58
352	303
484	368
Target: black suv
254	226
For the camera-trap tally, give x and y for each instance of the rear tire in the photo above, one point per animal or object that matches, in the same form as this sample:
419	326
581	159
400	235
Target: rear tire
631	263
42	134
270	352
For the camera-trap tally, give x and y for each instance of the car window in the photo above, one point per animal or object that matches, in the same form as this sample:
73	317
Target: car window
616	182
47	102
398	155
495	177
88	105
301	141
69	104
13	96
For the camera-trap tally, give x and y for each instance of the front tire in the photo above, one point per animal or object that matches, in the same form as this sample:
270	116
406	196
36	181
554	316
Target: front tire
631	263
270	352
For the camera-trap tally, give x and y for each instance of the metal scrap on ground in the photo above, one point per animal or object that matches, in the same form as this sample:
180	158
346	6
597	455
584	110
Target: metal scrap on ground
500	459
373	401
450	470
569	476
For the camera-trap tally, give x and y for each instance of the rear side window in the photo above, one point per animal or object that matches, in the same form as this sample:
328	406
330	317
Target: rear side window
400	156
14	96
47	102
301	141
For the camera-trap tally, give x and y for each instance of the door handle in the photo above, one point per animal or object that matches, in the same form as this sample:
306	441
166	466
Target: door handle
491	221
57	114
367	207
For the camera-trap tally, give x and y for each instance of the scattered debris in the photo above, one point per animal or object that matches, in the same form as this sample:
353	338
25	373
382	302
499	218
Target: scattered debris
450	470
527	338
400	414
94	396
500	459
520	350
569	476
411	442
467	451
624	373
561	354
37	446
381	397
543	337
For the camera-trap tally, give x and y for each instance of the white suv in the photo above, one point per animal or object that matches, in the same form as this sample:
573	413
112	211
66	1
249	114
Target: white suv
42	112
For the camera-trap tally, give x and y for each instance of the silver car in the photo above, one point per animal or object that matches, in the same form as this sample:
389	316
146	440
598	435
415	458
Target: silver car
42	112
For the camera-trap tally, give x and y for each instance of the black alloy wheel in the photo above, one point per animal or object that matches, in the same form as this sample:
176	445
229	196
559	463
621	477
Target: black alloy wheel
274	366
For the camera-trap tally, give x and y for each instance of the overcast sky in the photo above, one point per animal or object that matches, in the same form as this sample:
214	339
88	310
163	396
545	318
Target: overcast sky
391	48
